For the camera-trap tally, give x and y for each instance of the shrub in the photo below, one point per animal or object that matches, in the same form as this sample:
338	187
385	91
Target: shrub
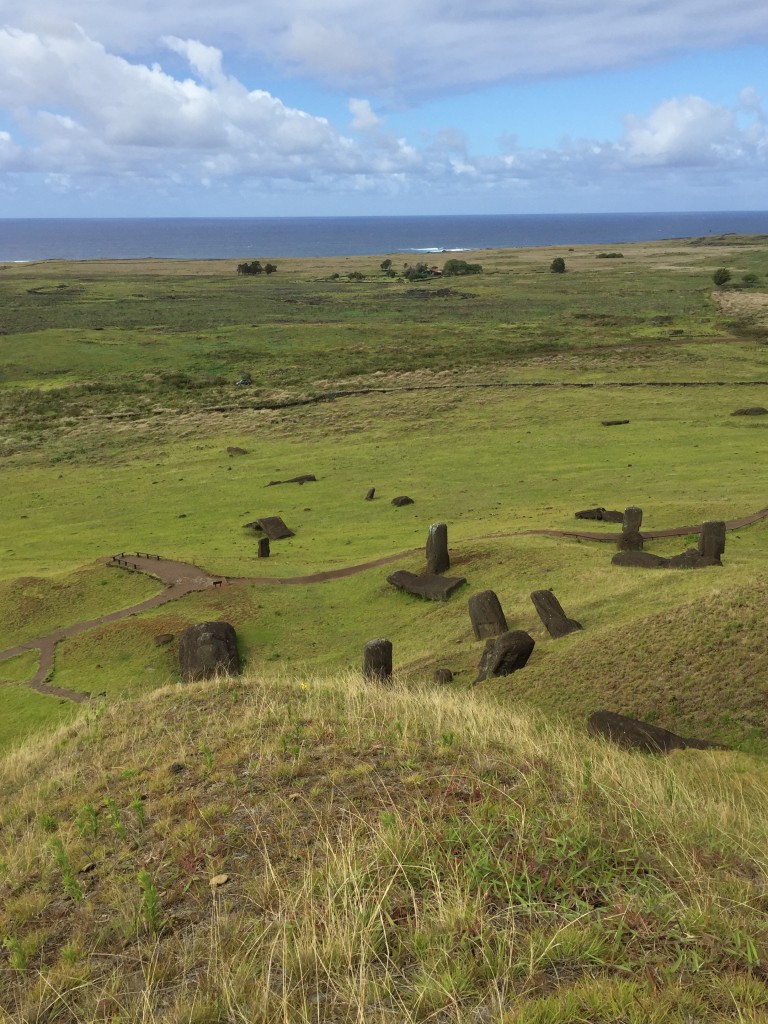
386	265
557	266
721	276
254	267
356	276
750	280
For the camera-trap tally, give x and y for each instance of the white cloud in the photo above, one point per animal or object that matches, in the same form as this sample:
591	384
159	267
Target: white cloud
363	117
681	132
79	114
409	48
87	108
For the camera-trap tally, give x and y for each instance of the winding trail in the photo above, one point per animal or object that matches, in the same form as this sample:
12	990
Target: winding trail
182	578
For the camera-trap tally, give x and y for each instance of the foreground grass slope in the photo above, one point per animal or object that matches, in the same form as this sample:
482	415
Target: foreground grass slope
315	849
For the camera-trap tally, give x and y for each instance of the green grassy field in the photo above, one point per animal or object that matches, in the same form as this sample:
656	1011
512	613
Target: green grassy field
484	404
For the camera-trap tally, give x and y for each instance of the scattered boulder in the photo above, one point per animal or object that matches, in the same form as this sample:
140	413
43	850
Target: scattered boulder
438	559
505	654
163	639
370	493
632	734
208	649
377	660
306	478
631	539
443	676
273	526
427	585
401	500
752	410
486	615
552	615
234	450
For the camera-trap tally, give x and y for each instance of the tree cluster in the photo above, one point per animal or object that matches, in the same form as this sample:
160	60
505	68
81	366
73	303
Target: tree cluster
255	267
460	268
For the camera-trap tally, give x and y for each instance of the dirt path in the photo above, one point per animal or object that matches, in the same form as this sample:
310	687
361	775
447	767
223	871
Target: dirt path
182	578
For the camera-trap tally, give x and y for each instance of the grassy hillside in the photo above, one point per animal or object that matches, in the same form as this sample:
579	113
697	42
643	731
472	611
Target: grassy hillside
312	849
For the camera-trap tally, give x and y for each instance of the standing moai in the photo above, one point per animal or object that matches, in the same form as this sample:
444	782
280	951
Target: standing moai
437	548
505	654
631	539
264	547
486	615
208	649
712	540
370	494
377	660
552	615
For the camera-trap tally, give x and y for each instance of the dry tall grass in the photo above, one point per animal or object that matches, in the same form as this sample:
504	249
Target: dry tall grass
391	854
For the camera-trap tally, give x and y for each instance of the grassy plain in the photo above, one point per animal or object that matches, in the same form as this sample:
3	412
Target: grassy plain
410	854
480	397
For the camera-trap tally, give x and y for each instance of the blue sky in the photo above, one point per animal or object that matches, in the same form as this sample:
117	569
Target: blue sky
328	107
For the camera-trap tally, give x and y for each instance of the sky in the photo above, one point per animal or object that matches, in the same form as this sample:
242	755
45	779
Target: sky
194	108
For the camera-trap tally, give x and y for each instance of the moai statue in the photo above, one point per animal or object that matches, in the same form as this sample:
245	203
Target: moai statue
552	615
377	660
370	494
505	654
486	615
264	547
712	540
437	548
631	539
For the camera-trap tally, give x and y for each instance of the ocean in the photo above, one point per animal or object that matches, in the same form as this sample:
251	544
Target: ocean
274	237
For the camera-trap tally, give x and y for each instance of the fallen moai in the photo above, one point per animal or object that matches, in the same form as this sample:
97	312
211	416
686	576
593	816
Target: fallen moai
438	559
427	585
505	654
443	676
613	423
603	514
632	734
307	478
273	526
752	410
486	615
552	615
401	500
708	553
208	649
234	450
377	660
